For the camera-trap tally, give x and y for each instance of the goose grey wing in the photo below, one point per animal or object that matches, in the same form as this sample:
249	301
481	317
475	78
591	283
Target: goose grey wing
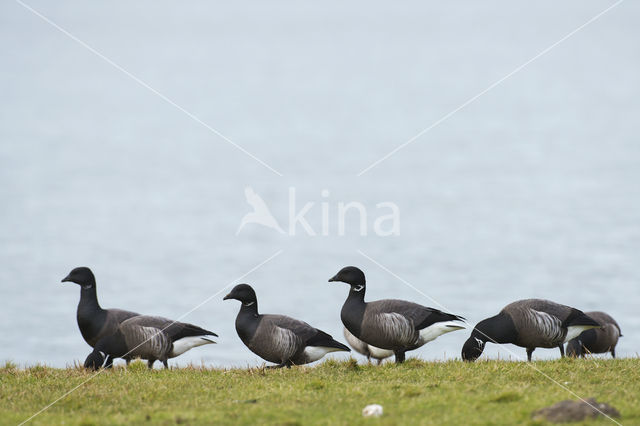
536	328
148	321
562	312
568	316
145	341
420	316
300	329
273	342
120	315
174	329
388	329
112	321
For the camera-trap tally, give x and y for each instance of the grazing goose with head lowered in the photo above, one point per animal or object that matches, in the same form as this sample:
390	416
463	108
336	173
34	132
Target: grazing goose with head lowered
93	321
277	338
530	323
391	324
596	340
150	338
366	350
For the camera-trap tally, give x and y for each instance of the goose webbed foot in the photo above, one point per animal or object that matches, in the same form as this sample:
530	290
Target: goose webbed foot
529	352
399	357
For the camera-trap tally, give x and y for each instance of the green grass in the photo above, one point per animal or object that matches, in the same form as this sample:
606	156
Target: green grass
417	392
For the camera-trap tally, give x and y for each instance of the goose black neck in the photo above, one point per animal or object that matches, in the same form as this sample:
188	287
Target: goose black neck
249	308
497	329
353	309
247	321
356	293
89	299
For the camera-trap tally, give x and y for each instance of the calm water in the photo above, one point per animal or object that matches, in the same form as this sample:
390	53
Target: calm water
531	191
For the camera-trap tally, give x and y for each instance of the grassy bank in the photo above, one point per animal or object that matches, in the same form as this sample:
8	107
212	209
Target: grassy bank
486	392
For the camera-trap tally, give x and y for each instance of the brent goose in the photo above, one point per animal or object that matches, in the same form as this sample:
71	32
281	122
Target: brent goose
279	339
93	321
391	324
366	350
150	338
530	323
596	340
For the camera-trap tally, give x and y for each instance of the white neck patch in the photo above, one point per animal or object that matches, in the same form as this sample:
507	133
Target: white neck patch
358	288
480	342
248	304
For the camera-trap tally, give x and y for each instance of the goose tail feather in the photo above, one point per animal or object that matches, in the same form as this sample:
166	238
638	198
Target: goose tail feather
325	340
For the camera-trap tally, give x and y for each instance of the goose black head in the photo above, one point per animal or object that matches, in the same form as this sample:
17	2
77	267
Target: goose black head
350	275
575	348
244	293
581	345
95	360
81	276
472	349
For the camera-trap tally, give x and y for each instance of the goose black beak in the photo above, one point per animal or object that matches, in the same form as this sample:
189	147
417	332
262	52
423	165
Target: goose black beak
66	279
227	297
333	279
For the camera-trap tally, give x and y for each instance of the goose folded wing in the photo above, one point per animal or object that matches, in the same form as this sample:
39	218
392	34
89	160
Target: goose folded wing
145	341
115	317
546	325
563	313
120	315
278	335
174	329
180	330
420	316
303	331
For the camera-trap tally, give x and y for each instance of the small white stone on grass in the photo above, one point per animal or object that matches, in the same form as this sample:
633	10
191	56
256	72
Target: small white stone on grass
372	410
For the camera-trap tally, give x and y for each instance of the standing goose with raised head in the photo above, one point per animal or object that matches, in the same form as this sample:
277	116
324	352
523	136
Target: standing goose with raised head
596	340
391	324
367	350
529	323
149	338
93	321
279	339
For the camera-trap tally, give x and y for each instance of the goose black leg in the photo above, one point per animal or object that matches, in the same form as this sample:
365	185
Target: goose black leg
561	346
150	363
282	364
166	364
399	356
108	362
128	361
529	352
379	361
613	352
